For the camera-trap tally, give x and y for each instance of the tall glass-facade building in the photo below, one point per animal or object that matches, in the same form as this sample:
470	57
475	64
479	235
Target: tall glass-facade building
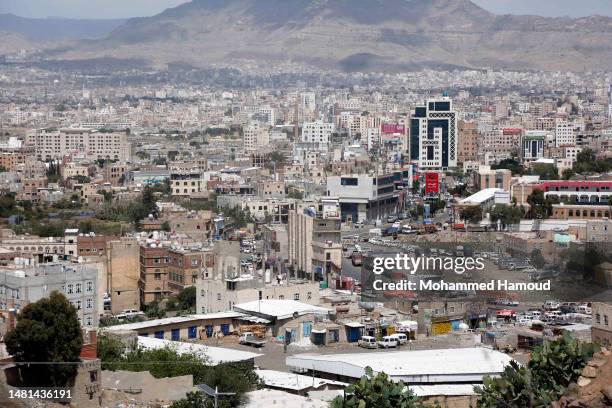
434	135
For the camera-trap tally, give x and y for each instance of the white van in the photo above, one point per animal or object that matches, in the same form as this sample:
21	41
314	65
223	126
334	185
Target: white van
367	342
584	309
388	342
401	338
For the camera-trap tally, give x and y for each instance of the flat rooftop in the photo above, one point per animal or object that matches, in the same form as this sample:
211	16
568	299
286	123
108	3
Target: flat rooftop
415	367
214	355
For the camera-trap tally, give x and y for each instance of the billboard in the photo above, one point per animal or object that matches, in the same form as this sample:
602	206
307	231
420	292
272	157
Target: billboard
432	183
392	128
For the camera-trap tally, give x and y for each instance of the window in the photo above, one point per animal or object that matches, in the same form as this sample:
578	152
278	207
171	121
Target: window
218	296
70	289
598	318
281	297
79	304
296	296
77	288
158	276
309	295
89	286
89	321
89	303
606	320
349	181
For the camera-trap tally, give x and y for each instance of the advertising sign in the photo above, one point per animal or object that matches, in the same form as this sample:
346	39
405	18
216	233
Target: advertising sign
431	183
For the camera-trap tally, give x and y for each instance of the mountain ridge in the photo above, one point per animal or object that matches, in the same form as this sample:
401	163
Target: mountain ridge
356	35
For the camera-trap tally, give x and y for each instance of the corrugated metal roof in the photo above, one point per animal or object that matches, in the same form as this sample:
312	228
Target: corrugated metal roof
292	381
431	366
172	320
279	308
214	355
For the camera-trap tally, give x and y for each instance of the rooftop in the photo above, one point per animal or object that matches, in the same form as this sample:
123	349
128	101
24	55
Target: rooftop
215	355
295	382
422	366
172	320
279	308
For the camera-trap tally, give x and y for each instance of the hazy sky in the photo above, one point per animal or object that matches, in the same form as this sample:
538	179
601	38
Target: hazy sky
135	8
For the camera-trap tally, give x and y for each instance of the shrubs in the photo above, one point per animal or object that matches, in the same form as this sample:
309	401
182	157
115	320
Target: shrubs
377	392
553	366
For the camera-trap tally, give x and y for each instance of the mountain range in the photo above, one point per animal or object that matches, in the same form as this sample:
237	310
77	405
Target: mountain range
53	29
354	35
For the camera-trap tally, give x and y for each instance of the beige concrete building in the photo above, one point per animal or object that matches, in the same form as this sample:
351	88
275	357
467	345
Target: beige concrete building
468	142
499	178
55	144
601	330
315	247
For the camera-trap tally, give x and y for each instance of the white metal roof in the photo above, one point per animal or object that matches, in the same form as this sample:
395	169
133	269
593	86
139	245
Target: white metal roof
275	398
279	308
443	389
481	196
214	355
291	381
172	320
422	366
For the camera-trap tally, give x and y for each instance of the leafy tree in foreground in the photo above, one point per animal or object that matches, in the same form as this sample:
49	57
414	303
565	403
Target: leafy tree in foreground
193	400
47	331
552	368
377	392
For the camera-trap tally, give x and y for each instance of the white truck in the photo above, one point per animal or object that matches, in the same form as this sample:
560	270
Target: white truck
249	339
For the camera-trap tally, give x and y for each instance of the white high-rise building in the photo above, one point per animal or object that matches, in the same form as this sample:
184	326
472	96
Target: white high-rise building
564	133
318	132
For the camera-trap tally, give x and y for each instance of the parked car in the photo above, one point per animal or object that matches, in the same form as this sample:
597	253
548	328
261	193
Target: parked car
367	342
388	342
551	305
401	338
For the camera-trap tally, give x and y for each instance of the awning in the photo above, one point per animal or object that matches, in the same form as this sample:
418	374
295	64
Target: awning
353	324
322	331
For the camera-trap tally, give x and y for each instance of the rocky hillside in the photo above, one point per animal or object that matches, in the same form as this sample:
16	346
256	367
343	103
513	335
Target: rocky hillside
364	35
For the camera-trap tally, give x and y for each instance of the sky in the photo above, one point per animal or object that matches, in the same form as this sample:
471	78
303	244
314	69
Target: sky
142	8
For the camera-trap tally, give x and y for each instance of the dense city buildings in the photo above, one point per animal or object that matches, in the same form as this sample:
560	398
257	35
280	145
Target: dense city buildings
253	224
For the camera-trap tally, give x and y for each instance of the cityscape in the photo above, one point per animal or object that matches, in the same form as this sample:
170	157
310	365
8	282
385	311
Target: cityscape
303	203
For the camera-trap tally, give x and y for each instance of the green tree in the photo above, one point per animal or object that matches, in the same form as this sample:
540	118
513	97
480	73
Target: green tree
471	214
541	207
546	171
193	400
567	174
47	331
377	392
506	215
537	259
511	164
187	298
165	226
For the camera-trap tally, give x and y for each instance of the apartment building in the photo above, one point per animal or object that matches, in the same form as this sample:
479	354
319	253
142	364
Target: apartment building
167	269
256	136
315	248
468	142
55	144
21	285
